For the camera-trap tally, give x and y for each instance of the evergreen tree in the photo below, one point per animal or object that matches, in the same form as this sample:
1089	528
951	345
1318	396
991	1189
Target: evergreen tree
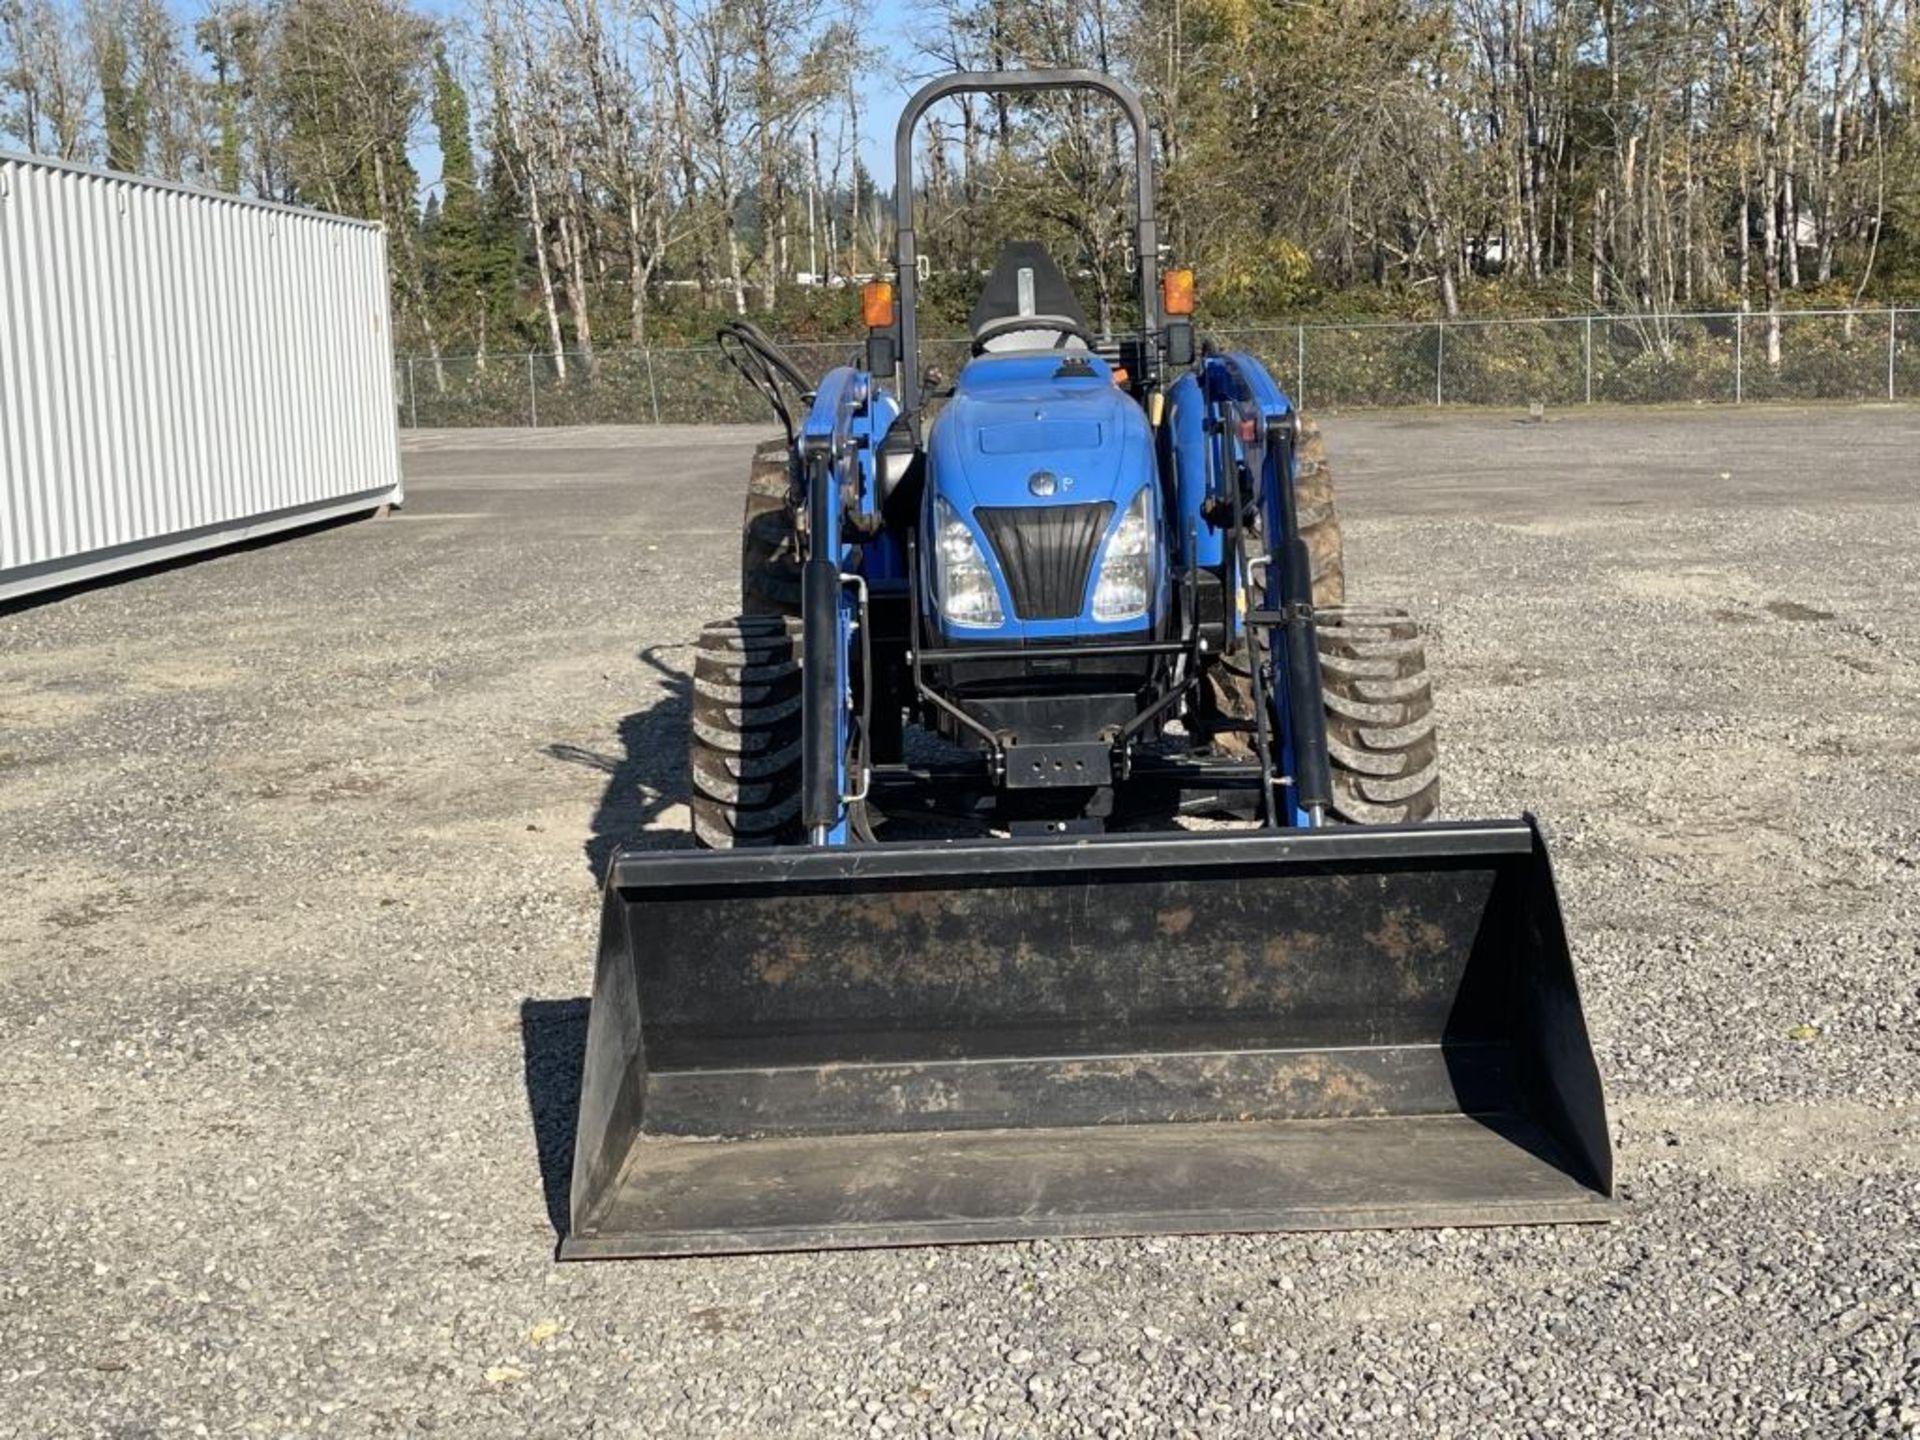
121	96
471	257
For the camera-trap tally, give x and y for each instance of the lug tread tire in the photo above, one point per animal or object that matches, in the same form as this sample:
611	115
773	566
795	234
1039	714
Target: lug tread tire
769	548
1412	687
756	695
1318	516
744	736
1380	727
725	768
1360	711
1371	671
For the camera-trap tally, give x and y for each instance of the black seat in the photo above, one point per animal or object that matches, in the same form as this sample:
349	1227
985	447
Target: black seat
1026	282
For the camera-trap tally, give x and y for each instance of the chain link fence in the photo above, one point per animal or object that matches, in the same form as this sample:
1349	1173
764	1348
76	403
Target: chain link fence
1726	357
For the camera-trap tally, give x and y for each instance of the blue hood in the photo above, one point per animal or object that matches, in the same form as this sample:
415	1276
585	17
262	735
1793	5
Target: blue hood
1014	414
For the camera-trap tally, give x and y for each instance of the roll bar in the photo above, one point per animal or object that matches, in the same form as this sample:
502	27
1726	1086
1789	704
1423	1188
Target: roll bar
995	82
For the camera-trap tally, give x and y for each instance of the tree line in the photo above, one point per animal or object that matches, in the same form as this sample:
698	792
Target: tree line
611	172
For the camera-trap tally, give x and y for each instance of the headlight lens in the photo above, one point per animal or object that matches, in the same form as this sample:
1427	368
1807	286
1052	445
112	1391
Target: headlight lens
963	585
1126	571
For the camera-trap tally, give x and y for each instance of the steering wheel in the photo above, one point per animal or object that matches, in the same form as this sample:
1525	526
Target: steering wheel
1063	327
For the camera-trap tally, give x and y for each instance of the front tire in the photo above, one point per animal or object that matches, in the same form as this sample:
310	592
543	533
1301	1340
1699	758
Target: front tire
1379	703
744	740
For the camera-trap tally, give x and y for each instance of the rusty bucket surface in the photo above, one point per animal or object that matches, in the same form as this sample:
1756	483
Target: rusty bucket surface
906	1044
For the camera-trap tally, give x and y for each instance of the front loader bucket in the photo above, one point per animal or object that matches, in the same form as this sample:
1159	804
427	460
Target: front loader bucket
920	1043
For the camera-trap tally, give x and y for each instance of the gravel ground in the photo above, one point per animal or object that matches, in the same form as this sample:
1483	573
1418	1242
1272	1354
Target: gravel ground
302	843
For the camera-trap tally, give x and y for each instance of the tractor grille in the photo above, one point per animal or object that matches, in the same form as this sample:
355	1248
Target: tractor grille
1045	552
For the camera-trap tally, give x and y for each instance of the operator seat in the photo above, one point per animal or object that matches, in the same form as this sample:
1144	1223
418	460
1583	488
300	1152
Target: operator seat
1025	281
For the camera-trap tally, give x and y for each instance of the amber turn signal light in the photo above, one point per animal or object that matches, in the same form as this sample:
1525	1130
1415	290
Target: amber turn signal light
876	303
1176	292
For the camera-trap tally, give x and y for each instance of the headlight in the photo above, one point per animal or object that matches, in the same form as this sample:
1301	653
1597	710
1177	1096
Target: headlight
1126	571
963	585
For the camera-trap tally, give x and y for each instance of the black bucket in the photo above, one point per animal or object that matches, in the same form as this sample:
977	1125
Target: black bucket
908	1044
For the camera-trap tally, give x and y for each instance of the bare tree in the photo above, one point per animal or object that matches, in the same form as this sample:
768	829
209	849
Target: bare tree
43	64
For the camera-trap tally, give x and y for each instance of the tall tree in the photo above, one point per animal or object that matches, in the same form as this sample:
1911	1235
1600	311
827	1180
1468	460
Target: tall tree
641	162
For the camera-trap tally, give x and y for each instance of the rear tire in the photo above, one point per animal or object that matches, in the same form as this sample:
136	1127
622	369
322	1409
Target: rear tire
1379	702
1318	518
769	545
744	740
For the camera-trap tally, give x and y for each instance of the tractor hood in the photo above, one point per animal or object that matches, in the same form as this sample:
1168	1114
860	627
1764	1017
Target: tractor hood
1042	455
1014	415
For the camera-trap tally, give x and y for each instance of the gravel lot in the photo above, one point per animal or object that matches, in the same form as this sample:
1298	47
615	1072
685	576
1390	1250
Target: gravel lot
301	844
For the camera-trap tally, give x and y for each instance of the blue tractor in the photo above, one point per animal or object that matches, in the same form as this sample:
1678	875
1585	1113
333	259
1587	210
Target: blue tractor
952	965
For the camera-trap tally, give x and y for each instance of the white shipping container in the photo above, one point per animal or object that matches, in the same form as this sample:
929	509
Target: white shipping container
180	370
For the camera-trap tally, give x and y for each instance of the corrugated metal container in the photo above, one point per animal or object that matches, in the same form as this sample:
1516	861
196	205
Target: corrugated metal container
180	370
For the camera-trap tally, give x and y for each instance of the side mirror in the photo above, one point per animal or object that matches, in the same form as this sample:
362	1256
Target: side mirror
1180	342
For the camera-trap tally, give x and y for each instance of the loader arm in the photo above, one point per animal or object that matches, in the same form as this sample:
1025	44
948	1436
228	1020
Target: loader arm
1264	427
848	417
